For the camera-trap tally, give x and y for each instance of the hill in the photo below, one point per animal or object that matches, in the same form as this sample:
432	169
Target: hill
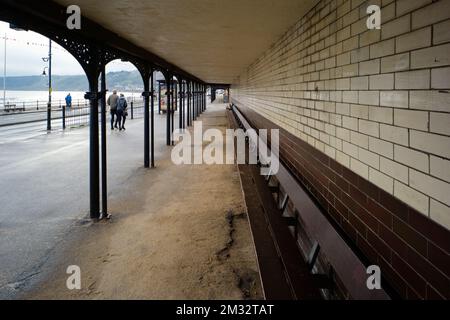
122	81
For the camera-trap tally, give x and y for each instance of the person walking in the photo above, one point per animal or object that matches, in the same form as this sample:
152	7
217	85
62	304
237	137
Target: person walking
125	115
68	101
122	112
112	103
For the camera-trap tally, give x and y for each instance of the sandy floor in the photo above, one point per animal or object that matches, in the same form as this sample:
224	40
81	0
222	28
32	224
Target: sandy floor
178	232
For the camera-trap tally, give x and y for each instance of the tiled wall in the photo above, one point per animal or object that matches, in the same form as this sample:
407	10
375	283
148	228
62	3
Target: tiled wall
376	103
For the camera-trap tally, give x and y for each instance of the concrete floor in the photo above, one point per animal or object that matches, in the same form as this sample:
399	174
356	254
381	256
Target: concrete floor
168	218
44	190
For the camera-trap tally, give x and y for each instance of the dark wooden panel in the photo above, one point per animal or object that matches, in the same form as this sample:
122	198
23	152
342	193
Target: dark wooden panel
344	194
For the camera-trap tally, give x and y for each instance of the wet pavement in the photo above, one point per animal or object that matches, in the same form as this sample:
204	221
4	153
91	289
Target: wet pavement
44	190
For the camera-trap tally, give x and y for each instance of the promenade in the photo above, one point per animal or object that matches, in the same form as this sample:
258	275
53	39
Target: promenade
162	242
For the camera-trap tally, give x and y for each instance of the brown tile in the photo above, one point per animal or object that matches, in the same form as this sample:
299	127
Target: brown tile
430	229
412	295
411	277
410	236
368	219
322	199
323	158
330	174
433	294
336	167
350	176
432	275
341	208
381	247
358	196
335	215
439	258
334	189
369	252
393	240
319	176
398	208
343	184
359	226
349	230
383	215
392	276
350	203
368	188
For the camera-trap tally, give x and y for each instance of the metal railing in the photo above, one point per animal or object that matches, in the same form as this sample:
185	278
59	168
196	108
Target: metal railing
62	117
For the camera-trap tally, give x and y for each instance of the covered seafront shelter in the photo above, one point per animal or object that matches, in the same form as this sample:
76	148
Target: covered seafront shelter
359	208
94	47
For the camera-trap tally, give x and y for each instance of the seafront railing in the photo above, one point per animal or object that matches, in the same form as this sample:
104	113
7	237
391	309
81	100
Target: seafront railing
62	117
36	105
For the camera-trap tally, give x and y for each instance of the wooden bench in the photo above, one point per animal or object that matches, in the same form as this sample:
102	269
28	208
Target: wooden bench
284	274
13	108
274	240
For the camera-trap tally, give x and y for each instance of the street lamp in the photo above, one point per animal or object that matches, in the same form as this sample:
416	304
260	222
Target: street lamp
4	75
49	105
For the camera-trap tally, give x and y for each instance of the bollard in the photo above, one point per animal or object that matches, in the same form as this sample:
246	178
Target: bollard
49	116
132	110
63	116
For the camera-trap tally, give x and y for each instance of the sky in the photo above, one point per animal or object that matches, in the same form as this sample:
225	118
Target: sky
25	50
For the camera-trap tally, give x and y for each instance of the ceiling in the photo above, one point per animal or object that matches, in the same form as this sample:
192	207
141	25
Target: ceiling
215	40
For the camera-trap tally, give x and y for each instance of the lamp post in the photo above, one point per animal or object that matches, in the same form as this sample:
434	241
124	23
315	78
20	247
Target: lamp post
49	105
4	77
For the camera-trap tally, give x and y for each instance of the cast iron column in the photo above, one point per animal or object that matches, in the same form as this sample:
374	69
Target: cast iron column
181	104
203	98
146	94
195	101
50	89
174	105
104	147
152	114
94	165
184	104
187	104
159	97
189	122
200	107
168	112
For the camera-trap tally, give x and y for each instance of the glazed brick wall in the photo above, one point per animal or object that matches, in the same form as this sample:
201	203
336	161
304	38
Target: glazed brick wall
365	125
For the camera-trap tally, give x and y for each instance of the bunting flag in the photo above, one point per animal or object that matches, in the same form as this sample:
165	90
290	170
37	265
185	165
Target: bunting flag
33	44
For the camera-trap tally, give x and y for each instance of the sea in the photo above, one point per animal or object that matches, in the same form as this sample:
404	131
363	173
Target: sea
29	97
